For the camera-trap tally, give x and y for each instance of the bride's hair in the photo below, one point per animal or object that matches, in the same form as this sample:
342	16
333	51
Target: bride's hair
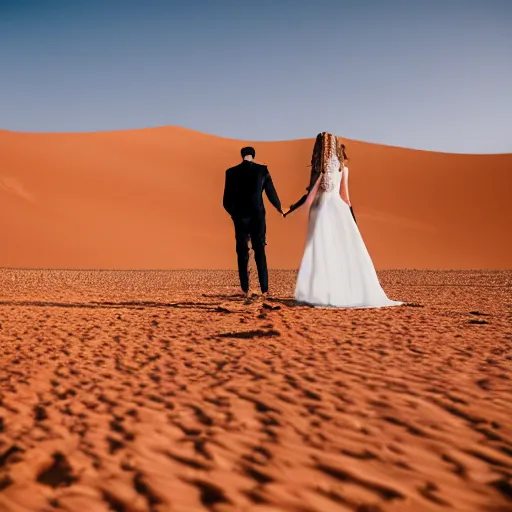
322	151
342	155
325	143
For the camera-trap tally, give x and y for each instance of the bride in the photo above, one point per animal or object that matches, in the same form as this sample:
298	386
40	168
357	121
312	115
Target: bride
336	269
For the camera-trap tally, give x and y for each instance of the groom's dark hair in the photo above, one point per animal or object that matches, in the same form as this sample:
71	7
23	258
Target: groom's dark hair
248	151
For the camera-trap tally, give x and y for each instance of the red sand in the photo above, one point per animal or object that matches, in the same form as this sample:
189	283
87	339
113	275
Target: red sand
163	391
153	199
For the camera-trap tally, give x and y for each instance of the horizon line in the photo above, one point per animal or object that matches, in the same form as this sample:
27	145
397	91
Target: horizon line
278	141
117	269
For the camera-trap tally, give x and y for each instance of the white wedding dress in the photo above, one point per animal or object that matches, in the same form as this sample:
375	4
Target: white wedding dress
336	268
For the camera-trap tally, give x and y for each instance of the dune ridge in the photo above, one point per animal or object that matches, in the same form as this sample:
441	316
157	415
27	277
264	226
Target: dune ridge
152	199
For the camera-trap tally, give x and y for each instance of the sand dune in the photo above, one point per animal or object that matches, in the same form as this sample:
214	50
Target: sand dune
152	199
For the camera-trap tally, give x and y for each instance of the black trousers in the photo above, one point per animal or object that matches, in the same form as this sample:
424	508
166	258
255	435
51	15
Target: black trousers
254	229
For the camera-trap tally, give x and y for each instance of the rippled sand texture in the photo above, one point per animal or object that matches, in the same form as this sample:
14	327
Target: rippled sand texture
164	391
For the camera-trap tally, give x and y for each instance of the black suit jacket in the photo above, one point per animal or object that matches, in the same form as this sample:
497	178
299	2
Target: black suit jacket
243	190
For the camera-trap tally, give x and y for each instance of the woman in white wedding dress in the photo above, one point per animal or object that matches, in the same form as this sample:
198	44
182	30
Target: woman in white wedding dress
336	268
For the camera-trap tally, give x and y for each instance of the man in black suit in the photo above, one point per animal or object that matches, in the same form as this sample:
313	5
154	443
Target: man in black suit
243	200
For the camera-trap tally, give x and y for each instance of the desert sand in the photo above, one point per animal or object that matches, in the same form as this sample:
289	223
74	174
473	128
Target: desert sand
152	199
164	391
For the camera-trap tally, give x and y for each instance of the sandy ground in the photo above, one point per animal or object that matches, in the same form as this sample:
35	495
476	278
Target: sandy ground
164	391
152	199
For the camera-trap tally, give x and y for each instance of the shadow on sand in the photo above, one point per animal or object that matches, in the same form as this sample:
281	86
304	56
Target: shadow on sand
254	299
215	305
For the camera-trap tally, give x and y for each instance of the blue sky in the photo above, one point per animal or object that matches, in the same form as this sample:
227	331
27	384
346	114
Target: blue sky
433	75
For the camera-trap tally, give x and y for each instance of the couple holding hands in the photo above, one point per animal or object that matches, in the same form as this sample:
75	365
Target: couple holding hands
336	268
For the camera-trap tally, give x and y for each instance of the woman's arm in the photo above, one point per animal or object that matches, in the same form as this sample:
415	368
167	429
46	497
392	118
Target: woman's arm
344	186
344	191
303	199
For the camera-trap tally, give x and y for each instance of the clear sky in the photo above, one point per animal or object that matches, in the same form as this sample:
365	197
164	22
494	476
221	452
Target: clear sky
433	75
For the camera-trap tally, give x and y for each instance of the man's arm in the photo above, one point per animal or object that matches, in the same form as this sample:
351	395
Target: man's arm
227	198
270	190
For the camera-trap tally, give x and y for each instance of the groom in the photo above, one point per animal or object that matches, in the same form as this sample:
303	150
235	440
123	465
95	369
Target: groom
243	200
